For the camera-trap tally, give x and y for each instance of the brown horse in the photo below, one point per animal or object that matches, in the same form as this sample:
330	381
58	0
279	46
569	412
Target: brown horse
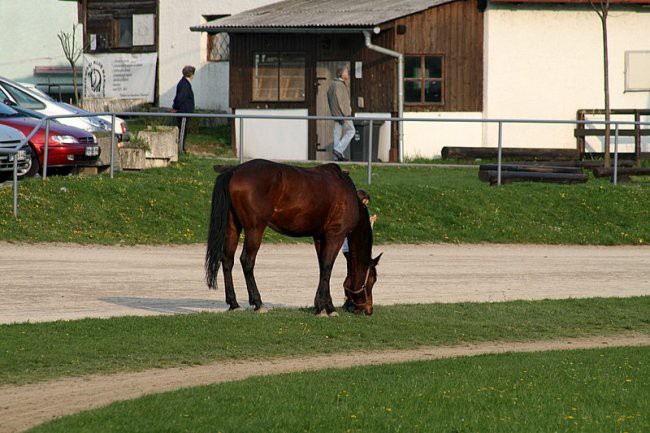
319	202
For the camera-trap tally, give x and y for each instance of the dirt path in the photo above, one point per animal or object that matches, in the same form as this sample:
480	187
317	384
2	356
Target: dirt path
52	281
27	406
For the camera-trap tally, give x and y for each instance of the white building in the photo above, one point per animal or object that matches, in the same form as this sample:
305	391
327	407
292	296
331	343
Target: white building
31	51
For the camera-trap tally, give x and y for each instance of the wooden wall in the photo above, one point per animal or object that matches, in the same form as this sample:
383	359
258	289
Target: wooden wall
455	31
99	18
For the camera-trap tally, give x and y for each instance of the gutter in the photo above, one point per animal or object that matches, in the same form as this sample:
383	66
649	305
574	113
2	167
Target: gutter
400	85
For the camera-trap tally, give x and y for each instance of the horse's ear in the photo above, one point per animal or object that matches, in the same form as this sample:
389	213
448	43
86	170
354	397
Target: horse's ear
375	261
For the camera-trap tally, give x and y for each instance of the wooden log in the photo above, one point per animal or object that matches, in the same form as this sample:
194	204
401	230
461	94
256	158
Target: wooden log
578	132
531	168
590	164
452	152
622	171
520	176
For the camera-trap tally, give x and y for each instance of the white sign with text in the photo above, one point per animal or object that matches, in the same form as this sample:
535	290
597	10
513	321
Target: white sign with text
123	76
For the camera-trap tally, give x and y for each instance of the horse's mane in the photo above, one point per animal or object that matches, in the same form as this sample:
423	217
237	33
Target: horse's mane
360	239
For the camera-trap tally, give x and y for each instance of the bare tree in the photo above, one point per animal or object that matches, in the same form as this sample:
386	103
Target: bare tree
72	51
602	9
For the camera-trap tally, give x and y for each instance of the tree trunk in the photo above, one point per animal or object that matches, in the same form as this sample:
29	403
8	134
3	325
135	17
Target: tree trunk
75	92
608	113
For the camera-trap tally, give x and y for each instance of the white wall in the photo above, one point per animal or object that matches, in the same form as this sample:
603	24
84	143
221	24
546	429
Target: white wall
178	46
284	139
29	36
546	64
426	139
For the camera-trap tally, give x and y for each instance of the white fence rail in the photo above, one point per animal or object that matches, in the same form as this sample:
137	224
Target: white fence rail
614	124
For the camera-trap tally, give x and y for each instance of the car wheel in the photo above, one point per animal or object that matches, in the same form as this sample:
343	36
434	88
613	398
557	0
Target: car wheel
35	167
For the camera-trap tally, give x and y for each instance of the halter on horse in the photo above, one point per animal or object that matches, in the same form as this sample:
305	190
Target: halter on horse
320	202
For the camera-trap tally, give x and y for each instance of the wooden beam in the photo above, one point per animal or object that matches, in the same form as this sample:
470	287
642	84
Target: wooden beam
521	176
530	168
449	152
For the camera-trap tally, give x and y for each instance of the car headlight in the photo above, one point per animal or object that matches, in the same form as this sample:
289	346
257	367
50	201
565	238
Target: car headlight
65	139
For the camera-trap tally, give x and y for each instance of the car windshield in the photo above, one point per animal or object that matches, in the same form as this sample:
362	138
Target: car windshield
7	111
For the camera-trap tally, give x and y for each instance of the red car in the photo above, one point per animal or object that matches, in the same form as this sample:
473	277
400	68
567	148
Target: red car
67	147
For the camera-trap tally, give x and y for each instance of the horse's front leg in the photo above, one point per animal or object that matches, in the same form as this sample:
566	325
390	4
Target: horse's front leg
327	255
252	241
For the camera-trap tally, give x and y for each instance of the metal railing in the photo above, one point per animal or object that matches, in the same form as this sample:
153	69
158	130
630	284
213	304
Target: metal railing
370	119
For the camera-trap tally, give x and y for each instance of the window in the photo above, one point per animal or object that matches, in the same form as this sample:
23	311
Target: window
218	47
637	65
21	98
423	79
124	33
279	77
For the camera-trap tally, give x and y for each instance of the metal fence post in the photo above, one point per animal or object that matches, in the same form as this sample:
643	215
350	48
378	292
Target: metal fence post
112	145
370	154
241	140
47	145
499	153
15	180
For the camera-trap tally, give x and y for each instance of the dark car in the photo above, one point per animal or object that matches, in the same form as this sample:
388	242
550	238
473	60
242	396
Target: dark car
68	146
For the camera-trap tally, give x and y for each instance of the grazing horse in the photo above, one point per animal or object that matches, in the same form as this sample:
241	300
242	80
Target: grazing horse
320	202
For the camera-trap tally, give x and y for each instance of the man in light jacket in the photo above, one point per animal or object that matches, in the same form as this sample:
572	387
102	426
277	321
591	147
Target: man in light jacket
338	98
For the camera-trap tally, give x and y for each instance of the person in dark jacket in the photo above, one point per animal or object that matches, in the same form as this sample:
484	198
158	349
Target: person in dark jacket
184	102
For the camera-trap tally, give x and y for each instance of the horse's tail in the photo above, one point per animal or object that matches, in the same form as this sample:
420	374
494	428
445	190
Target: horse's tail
217	231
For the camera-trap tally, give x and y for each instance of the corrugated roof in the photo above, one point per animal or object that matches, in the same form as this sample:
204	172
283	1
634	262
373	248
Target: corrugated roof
320	13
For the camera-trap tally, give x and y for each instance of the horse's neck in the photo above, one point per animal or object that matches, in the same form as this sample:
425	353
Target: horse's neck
360	239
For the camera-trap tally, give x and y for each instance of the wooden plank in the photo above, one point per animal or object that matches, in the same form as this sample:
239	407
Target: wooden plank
521	176
451	152
532	168
601	132
622	171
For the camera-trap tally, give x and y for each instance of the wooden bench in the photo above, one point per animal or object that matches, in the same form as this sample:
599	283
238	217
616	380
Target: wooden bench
636	131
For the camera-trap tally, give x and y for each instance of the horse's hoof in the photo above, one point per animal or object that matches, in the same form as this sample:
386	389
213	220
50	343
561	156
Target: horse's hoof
235	308
262	309
323	313
333	314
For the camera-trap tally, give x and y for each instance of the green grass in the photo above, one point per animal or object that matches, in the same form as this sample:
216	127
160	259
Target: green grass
605	390
35	352
414	205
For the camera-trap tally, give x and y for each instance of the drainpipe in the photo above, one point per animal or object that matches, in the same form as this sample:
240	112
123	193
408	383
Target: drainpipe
400	85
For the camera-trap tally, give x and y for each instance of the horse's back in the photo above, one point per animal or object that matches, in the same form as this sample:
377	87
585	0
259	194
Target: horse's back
294	200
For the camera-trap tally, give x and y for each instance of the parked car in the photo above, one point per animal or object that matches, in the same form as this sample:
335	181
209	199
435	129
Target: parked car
68	146
10	138
30	97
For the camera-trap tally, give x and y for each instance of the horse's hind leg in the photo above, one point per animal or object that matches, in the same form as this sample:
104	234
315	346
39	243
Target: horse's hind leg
252	241
228	261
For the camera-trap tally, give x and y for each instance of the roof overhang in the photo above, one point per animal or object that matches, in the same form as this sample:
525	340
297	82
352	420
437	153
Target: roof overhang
292	30
577	2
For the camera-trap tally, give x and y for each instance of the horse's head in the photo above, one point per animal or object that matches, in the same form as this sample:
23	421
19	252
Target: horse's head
358	287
